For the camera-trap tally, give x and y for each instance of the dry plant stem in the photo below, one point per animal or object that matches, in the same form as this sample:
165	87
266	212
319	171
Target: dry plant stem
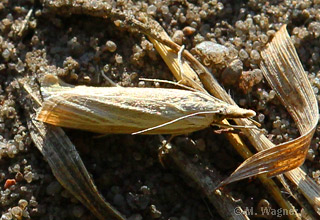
223	203
67	166
24	26
307	186
235	140
304	112
162	44
102	9
282	68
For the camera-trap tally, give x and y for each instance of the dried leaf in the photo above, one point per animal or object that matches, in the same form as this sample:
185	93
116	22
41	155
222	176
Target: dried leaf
283	70
64	160
68	168
212	85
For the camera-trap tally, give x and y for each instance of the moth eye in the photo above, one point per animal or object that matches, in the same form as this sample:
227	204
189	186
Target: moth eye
222	111
220	114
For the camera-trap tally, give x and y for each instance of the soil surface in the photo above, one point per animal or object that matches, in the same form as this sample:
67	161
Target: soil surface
37	38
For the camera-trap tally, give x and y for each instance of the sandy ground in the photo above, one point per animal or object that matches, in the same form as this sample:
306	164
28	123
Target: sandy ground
78	47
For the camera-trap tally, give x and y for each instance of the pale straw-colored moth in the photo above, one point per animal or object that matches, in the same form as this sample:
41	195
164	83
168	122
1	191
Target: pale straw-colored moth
132	110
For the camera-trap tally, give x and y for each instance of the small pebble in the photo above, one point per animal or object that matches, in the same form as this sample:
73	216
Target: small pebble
254	54
28	177
154	212
272	94
248	79
78	211
152	9
243	54
261	118
33	202
164	9
111	46
9	183
23	203
137	201
16	212
119	200
118	59
135	217
53	188
276	124
23	189
263	38
232	72
310	155
212	53
16	168
145	190
6	216
6	54
178	37
25	214
263	205
20	66
12	150
117	23
201	144
142	84
137	156
316	174
314	27
187	31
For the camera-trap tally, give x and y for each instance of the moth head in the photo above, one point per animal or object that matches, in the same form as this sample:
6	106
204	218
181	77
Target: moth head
233	111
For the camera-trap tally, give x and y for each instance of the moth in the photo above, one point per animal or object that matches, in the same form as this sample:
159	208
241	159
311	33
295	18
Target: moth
132	110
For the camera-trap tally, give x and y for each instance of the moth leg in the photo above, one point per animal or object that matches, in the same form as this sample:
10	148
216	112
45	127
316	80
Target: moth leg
109	80
255	122
164	149
100	136
237	126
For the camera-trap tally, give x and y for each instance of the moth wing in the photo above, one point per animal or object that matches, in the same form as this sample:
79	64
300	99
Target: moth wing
114	113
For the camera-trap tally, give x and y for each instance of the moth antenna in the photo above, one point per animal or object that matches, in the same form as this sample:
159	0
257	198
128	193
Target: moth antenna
182	76
173	121
237	126
199	87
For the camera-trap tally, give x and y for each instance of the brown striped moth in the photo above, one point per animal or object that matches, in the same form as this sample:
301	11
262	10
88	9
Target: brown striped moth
132	110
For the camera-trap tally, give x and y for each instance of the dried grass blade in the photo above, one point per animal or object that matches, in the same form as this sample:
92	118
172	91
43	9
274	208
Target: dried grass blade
69	169
188	76
283	70
206	78
273	161
224	203
64	160
212	85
